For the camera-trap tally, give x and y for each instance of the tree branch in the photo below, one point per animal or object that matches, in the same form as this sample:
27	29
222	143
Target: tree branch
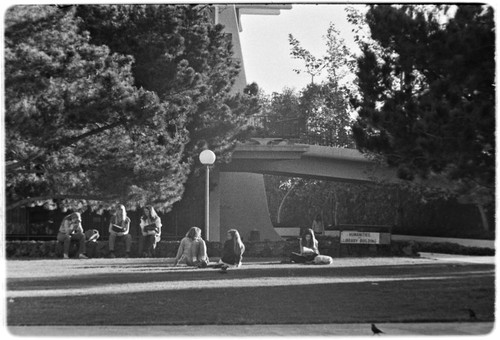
65	142
47	197
71	140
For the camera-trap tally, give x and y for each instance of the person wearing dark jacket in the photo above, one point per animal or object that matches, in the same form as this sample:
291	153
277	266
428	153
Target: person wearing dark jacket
233	250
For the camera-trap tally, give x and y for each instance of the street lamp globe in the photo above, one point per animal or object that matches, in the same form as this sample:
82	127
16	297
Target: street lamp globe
207	157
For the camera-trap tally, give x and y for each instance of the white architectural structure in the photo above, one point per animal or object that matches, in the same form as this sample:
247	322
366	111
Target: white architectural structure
239	200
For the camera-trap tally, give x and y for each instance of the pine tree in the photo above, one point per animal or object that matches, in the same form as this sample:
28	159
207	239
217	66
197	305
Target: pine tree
97	116
427	103
427	96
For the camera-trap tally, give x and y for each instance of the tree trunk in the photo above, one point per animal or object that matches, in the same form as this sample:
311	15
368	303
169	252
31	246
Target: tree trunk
399	210
278	217
335	208
484	218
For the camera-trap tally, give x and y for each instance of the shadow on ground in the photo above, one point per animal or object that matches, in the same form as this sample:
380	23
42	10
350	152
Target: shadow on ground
150	292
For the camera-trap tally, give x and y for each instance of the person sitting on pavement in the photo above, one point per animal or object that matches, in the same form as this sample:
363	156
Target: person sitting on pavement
233	250
91	237
71	229
192	250
119	226
308	248
150	230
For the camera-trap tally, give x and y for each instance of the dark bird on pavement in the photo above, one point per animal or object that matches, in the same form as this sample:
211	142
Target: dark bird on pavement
375	330
472	314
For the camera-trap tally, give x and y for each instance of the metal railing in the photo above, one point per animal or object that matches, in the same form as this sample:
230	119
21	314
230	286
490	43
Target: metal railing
269	126
293	129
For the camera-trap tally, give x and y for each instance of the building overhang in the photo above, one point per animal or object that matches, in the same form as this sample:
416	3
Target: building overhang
258	9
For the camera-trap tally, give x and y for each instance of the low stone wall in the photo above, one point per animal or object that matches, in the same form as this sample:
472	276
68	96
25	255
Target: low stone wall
274	249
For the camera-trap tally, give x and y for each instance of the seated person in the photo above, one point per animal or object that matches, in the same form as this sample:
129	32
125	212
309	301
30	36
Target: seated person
150	231
71	229
119	226
192	249
91	236
308	248
232	252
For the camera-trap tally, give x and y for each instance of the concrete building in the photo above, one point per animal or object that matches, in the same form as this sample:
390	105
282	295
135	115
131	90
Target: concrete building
239	199
230	17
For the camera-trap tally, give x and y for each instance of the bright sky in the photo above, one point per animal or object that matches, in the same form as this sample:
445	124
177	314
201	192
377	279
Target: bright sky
266	51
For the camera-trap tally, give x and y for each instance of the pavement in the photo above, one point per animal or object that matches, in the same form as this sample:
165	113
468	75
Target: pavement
458	258
293	330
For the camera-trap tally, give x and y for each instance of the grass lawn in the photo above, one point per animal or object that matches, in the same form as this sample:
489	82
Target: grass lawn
150	292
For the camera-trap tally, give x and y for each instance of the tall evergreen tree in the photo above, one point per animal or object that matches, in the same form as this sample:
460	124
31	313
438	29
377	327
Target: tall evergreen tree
87	120
427	96
427	104
183	57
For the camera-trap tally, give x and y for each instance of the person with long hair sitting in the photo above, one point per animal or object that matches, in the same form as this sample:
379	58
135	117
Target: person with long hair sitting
192	250
233	250
150	231
308	248
119	227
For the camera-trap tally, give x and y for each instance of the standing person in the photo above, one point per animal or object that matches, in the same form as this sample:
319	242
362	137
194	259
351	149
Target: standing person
317	226
150	231
233	250
71	229
119	226
192	249
308	248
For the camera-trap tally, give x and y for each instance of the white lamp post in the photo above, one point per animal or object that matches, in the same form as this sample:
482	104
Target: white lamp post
207	158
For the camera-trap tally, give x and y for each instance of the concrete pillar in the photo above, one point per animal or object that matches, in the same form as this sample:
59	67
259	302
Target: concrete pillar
243	206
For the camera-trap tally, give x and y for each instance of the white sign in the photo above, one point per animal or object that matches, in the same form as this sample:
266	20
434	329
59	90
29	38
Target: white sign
359	237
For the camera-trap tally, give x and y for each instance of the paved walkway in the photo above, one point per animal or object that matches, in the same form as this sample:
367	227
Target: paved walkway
458	258
462	241
389	329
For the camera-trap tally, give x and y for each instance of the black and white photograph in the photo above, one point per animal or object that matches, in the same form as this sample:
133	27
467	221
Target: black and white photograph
248	169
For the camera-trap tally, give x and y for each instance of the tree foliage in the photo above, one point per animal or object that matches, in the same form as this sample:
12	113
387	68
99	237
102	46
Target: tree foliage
110	103
327	115
339	61
313	66
325	106
185	59
427	101
297	201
